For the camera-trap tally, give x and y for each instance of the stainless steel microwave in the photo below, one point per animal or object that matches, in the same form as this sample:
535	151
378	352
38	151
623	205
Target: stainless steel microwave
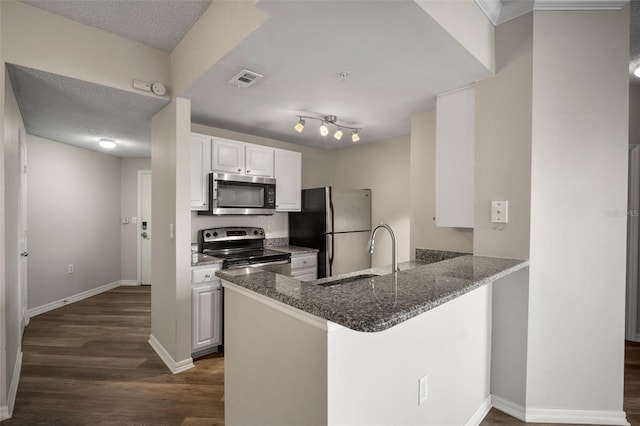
239	194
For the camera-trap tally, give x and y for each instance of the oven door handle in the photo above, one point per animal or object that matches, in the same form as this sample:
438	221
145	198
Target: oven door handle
259	265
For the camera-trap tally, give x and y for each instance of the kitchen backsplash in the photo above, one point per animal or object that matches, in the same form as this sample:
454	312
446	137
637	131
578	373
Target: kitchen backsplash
275	226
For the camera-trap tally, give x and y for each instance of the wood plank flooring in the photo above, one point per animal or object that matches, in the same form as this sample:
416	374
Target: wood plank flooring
89	363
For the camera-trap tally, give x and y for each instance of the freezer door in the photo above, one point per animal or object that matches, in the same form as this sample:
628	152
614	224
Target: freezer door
349	210
347	252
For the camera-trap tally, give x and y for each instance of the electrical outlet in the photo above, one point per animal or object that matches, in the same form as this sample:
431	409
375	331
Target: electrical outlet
423	389
142	85
70	268
499	211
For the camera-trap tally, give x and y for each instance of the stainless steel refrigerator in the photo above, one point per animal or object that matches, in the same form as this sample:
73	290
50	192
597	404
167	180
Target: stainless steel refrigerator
337	222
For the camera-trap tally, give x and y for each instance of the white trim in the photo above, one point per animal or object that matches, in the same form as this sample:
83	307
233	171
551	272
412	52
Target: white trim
499	13
480	413
458	89
75	298
172	365
129	283
4	413
296	313
13	389
631	327
508	407
580	4
139	223
544	415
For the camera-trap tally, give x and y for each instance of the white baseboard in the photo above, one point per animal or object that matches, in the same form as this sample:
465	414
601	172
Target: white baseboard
172	365
480	413
7	410
543	415
76	297
508	407
129	282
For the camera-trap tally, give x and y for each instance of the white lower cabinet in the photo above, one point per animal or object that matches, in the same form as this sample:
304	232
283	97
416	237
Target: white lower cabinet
206	310
304	267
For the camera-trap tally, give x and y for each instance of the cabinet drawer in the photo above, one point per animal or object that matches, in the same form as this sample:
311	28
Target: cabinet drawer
204	275
307	276
302	262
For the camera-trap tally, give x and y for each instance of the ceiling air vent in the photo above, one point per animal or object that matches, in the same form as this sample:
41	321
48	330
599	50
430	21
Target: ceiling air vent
244	79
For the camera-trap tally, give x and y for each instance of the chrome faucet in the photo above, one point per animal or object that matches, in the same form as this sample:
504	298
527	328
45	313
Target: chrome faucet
394	249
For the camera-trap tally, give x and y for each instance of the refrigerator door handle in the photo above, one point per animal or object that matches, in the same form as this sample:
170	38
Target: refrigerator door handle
331	248
332	230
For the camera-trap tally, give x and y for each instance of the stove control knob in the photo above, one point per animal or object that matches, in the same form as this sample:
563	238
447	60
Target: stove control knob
215	234
255	232
207	235
261	232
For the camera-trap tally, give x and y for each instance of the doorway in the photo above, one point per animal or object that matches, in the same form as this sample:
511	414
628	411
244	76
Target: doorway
22	229
144	227
633	240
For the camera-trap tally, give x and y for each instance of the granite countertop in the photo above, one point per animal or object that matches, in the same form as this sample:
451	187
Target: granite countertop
294	249
205	259
369	304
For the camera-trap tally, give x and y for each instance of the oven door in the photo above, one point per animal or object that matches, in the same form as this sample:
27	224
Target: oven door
282	267
238	194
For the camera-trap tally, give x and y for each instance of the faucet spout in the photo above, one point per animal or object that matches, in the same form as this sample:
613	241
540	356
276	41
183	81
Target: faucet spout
394	249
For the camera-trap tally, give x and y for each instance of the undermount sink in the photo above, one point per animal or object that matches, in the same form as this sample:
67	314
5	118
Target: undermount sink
347	280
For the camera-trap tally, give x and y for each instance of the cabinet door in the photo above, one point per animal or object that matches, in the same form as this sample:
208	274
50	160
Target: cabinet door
455	139
258	160
206	317
227	156
200	157
288	174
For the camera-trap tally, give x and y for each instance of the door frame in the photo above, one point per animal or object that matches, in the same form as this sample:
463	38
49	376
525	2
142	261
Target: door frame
22	221
633	239
139	223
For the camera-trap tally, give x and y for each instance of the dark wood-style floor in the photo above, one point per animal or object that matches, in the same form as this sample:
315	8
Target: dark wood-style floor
89	363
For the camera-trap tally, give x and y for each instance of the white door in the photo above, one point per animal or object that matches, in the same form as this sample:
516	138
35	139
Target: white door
258	160
22	271
144	226
227	156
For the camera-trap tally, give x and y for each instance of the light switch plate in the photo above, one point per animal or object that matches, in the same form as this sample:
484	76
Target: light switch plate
423	391
499	211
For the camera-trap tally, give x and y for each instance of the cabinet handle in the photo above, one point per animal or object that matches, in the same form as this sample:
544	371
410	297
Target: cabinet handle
304	262
239	170
208	276
248	171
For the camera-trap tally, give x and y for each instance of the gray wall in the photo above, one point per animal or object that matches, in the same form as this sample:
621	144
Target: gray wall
129	207
73	218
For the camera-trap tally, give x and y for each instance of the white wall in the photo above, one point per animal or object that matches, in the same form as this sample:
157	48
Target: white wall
73	216
129	207
170	260
503	144
422	189
381	167
578	171
41	40
12	125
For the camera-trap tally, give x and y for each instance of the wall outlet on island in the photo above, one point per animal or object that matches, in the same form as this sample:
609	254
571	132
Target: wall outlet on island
423	389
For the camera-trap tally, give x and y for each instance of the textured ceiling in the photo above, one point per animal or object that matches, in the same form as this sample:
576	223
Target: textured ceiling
157	23
79	113
398	58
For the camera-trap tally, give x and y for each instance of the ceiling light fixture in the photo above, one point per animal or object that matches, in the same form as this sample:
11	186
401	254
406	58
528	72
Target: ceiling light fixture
637	72
324	130
107	143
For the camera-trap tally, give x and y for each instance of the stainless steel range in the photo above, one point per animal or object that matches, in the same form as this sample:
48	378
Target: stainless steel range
243	247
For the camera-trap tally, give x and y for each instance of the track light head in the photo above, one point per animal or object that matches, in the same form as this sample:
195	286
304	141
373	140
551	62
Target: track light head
338	133
354	136
300	125
323	129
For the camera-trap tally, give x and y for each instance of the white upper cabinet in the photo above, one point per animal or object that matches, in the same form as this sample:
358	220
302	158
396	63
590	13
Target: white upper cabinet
258	160
455	140
241	158
227	156
288	173
200	166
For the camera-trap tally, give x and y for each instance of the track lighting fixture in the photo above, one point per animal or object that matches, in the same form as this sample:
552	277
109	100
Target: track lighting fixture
324	130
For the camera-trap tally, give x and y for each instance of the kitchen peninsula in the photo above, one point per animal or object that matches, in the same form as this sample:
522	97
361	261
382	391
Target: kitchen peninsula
355	353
